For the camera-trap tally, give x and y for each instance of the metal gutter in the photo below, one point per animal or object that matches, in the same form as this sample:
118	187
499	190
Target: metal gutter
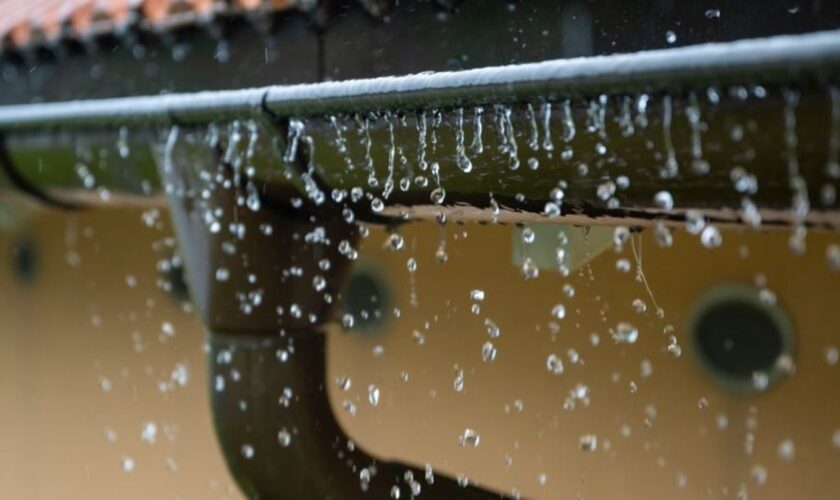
814	57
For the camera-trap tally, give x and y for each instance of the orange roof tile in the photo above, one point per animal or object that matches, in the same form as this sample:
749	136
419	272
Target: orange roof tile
23	22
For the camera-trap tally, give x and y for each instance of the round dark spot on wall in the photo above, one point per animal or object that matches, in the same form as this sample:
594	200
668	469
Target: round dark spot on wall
367	298
741	339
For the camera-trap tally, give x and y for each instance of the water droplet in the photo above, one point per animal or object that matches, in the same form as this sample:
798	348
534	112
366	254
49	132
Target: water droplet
552	209
670	36
623	265
674	348
605	190
639	306
528	235
832	256
621	235
488	352
395	242
588	443
458	383
626	333
252	200
671	167
492	329
373	395
694	221
284	437
710	237
247	451
167	329
469	438
787	450
646	368
148	432
760	380
461	159
767	296
664	200
832	355
554	364
758	473
529	269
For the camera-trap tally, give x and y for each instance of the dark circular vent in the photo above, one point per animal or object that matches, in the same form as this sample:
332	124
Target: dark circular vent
741	339
367	299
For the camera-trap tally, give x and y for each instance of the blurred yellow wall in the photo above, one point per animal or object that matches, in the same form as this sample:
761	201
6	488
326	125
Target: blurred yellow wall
79	324
683	454
54	361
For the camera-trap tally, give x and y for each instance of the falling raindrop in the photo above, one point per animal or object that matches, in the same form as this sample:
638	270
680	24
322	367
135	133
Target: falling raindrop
787	450
458	383
588	443
528	235
626	333
832	355
639	306
395	242
554	364
493	330
284	437
148	432
710	237
469	438
758	473
373	395
488	352
832	256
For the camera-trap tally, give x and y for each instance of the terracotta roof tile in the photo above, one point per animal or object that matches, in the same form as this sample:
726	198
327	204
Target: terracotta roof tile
24	22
